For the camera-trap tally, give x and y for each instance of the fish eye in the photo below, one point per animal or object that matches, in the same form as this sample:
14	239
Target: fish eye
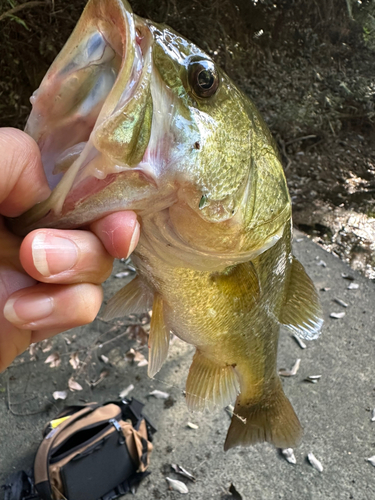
203	78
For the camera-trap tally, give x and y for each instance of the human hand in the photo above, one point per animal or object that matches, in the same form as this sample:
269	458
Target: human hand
51	280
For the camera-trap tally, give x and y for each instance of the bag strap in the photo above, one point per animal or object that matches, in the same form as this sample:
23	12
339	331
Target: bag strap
41	464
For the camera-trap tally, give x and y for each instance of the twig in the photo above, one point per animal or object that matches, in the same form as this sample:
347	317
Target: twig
304	138
27	5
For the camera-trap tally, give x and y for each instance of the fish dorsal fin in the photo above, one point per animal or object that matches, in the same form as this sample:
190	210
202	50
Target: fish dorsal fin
134	298
158	342
210	384
301	311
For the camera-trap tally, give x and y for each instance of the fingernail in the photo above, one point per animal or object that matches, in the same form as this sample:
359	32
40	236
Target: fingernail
28	309
52	254
134	240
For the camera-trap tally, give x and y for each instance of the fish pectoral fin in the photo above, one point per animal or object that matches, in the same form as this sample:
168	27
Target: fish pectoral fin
271	419
210	384
134	298
301	311
158	342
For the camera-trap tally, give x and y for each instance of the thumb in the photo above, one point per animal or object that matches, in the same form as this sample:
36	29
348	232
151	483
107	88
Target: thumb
23	182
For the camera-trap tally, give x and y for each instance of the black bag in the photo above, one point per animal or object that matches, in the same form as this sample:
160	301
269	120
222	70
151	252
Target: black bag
91	452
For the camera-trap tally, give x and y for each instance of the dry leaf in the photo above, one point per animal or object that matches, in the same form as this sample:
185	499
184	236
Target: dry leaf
373	415
177	485
159	394
293	371
73	385
53	360
104	359
372	460
46	345
288	453
33	349
315	462
353	286
74	360
192	426
299	341
183	472
60	395
337	315
126	391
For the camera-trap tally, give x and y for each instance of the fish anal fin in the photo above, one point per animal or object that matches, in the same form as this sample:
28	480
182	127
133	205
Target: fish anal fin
134	298
301	311
158	341
210	384
272	419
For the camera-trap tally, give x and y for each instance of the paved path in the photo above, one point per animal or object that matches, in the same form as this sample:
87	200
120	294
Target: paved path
335	412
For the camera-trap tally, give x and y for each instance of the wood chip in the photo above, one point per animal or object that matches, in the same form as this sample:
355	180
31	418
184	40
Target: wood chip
104	359
353	286
336	315
53	360
373	415
315	462
288	453
372	460
73	385
177	485
192	426
325	289
293	371
340	302
60	395
183	472
126	391
299	341
159	394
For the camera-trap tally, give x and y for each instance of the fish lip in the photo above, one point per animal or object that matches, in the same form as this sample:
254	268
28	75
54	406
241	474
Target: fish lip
131	68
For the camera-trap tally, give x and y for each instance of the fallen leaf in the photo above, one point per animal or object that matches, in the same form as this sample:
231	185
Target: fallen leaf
177	485
315	462
159	394
372	460
373	415
46	345
299	341
60	395
33	349
183	472
337	315
53	360
126	391
293	371
288	453
353	286
74	360
73	385
104	359
192	426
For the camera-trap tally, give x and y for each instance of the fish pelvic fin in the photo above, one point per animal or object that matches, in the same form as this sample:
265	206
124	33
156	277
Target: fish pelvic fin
158	341
134	298
272	419
210	384
301	312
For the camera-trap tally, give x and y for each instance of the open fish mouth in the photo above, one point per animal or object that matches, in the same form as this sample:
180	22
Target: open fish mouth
92	113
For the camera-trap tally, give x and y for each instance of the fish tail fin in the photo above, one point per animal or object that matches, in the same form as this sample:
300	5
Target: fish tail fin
272	419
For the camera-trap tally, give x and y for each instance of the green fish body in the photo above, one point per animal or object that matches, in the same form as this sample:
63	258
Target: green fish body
132	116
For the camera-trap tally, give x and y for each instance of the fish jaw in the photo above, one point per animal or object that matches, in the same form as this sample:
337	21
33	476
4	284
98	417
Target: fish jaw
91	118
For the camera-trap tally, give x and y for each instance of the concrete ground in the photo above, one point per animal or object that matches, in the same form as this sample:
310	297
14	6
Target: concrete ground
335	412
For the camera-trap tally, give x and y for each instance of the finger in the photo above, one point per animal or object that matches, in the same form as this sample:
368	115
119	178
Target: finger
23	182
65	256
119	233
53	307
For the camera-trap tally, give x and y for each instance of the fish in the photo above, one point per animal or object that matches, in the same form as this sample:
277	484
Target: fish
133	116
